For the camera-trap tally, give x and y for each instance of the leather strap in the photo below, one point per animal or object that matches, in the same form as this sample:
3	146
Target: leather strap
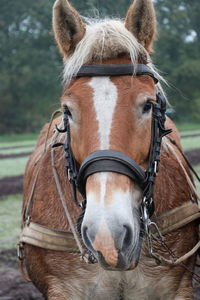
116	70
178	217
62	240
48	238
109	161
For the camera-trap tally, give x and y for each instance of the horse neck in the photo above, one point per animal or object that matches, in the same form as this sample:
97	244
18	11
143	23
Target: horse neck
171	186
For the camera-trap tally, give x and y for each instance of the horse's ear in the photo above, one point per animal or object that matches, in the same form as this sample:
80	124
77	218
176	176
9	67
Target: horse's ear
67	26
141	21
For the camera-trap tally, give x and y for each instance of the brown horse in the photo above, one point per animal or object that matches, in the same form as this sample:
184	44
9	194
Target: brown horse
109	113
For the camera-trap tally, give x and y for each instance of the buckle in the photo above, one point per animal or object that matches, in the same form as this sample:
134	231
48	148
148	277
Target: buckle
145	215
148	224
69	174
20	251
88	257
28	220
155	167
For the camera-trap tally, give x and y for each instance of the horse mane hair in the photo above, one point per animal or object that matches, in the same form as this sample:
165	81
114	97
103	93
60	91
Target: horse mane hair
105	39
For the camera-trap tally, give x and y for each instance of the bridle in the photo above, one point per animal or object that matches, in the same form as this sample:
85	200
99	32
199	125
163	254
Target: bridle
115	161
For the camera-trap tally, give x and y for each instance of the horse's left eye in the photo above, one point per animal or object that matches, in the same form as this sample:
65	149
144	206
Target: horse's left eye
146	107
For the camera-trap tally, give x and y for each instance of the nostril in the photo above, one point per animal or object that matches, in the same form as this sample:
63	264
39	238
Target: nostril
84	232
86	238
128	236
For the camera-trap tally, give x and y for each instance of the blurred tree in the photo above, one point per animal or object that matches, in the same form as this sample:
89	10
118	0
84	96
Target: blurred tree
102	7
31	66
178	54
29	63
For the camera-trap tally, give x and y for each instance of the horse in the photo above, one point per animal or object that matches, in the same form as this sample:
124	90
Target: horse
127	187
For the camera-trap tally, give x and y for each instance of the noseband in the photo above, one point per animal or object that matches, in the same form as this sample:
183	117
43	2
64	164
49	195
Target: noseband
115	161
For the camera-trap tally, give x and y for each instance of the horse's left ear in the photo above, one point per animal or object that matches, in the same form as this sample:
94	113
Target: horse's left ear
141	21
67	26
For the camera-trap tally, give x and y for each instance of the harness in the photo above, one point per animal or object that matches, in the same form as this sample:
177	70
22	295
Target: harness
109	161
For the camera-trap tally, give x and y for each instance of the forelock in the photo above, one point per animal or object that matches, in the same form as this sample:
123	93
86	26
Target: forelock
105	39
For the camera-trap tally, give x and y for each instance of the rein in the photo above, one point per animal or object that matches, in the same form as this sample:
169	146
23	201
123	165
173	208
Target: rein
108	161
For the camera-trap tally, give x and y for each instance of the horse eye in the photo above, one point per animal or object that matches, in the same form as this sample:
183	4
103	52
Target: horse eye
69	113
146	108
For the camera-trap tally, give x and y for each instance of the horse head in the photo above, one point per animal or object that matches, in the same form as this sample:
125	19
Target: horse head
109	113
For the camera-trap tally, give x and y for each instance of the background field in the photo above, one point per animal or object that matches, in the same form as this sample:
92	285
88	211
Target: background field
10	205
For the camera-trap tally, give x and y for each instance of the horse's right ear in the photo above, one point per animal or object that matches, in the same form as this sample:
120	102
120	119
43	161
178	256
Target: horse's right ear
67	26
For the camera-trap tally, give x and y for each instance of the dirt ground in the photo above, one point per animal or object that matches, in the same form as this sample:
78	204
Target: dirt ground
12	285
17	155
193	156
11	185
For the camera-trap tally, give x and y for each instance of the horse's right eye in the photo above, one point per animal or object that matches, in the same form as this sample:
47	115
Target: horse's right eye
146	107
69	113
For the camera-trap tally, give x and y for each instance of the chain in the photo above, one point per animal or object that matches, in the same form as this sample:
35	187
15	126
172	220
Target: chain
158	237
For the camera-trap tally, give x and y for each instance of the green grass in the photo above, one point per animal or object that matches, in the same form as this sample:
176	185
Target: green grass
12	167
10	219
188	126
187	132
18	137
17	143
17	150
197	187
197	169
191	143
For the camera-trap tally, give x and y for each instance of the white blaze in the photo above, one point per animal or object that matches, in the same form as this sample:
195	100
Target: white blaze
105	100
113	208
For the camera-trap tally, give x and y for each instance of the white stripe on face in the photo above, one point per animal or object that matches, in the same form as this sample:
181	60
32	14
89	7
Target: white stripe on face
105	100
110	209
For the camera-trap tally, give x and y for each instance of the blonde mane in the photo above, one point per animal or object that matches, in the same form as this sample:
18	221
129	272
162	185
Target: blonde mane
105	39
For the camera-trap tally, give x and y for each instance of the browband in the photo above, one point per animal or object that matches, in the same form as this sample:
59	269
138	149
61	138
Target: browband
109	161
116	70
